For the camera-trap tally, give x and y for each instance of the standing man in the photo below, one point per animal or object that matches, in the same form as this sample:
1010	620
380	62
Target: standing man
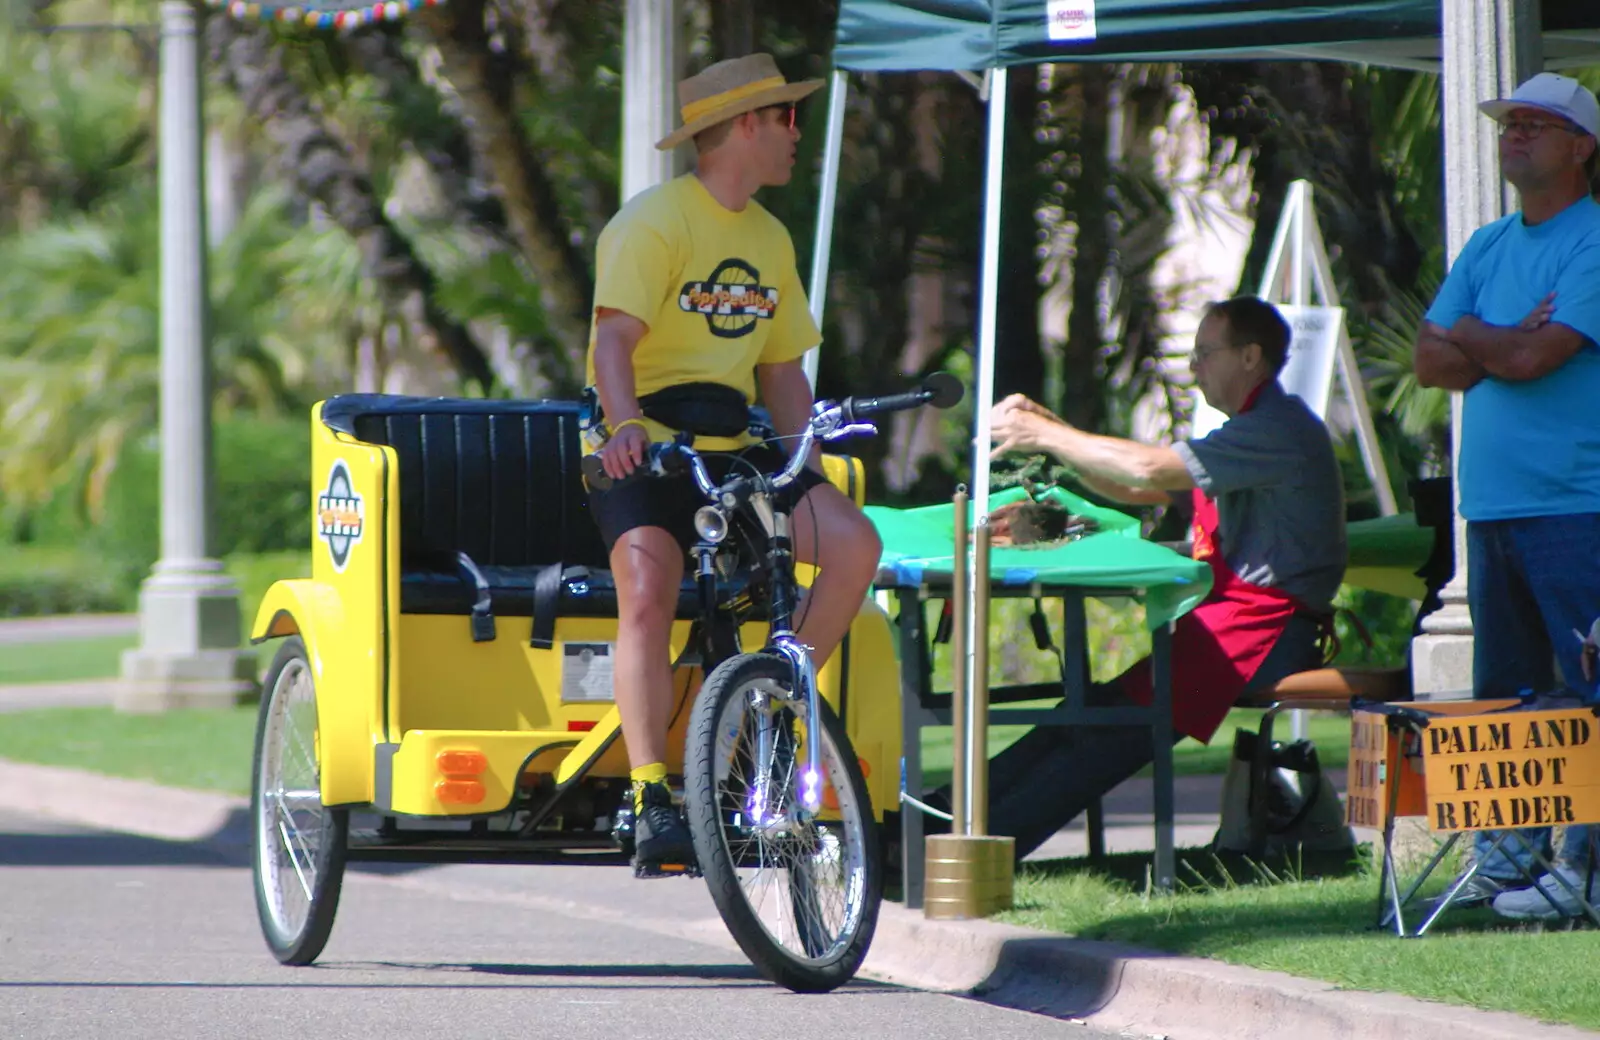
1514	327
697	305
1269	519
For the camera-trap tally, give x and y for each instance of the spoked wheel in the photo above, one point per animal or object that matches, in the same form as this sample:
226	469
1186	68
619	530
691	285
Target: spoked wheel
799	892
298	843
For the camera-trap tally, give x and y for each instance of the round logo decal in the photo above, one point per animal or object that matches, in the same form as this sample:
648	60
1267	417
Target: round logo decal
340	515
732	299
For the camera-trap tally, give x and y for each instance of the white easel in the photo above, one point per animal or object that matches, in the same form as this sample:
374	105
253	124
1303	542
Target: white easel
1307	269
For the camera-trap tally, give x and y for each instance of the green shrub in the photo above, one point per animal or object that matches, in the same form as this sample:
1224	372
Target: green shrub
255	573
261	492
36	581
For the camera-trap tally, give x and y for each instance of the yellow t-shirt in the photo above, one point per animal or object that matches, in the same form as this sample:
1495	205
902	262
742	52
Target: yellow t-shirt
718	289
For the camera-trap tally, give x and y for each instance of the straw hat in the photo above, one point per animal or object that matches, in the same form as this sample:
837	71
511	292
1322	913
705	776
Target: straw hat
732	88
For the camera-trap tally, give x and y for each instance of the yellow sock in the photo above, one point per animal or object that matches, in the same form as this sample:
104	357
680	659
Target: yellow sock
654	773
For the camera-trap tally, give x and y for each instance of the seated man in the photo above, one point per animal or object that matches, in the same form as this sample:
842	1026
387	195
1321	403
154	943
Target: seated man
672	348
1268	517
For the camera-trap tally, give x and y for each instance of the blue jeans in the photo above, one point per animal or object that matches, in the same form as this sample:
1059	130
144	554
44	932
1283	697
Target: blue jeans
1532	583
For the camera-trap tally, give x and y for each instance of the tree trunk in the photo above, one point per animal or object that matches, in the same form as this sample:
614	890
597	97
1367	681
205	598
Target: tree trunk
1082	402
483	80
322	168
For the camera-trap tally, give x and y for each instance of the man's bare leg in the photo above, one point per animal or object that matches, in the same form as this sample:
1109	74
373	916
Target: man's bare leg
647	565
833	534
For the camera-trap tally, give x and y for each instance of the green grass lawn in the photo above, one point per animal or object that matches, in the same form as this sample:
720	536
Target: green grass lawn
1331	734
207	750
62	660
1316	927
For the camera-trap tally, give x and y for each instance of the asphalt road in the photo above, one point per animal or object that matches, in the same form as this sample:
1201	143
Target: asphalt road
112	935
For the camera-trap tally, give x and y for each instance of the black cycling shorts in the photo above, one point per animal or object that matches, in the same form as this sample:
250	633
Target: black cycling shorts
670	502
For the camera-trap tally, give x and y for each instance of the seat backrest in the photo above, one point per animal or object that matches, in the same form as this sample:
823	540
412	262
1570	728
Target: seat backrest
498	480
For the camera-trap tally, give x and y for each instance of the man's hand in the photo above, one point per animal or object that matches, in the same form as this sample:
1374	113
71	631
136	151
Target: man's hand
1021	424
1540	316
624	452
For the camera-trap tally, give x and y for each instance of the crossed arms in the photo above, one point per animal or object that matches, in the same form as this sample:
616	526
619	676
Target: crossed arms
1459	357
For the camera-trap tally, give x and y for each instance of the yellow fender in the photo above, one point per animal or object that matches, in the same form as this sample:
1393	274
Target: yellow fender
344	672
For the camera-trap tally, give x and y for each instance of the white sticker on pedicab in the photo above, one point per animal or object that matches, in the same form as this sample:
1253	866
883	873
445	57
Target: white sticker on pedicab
586	672
341	515
1070	20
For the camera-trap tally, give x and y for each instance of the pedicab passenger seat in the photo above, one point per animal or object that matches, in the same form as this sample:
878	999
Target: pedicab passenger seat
493	512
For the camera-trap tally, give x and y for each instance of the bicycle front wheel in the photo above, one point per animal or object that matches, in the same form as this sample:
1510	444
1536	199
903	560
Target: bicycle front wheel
798	890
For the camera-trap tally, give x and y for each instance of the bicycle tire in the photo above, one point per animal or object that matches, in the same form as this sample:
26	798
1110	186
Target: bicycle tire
298	845
828	943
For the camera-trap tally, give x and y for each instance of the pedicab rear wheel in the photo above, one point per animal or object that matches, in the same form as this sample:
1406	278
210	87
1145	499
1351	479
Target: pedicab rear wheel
298	844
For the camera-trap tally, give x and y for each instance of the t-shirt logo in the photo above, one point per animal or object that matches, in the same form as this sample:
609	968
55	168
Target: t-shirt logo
732	299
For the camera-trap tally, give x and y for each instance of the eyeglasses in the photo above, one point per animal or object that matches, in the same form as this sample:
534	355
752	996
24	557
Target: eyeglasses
1535	127
1205	350
788	112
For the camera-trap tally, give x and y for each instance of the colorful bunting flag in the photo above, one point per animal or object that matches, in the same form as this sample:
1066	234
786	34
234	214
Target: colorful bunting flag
322	14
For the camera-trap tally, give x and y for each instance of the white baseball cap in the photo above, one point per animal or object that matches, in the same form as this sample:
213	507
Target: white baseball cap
1558	95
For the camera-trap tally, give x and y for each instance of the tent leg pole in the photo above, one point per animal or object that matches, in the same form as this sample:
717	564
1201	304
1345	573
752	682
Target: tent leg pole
987	312
832	145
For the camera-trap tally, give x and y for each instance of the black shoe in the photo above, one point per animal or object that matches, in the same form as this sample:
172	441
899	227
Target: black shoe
662	845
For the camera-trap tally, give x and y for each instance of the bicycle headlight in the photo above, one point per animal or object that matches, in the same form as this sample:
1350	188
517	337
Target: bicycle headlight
710	524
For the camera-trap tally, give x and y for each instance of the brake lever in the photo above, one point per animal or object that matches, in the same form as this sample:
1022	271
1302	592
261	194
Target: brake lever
840	433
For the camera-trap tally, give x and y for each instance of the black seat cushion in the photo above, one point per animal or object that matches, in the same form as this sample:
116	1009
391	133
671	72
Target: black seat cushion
499	481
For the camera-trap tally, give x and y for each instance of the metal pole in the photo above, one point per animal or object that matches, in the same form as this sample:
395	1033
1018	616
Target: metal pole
988	306
961	617
189	626
832	146
978	692
1489	47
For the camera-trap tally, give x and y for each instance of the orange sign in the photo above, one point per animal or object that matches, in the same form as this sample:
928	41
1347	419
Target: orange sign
1518	769
1375	759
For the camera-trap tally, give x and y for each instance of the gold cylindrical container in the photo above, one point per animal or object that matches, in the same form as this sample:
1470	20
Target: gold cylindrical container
968	876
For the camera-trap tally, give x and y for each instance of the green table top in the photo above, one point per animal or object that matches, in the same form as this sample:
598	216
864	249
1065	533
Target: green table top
918	545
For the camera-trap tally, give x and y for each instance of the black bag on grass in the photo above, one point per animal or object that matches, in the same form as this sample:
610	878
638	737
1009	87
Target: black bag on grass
1302	808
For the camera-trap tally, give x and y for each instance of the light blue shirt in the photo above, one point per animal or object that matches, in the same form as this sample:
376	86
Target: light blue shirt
1531	448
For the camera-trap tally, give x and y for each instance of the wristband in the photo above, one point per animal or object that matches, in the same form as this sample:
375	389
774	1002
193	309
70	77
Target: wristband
630	422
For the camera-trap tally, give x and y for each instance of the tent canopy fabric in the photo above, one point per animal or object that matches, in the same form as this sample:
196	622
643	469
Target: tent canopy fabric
905	35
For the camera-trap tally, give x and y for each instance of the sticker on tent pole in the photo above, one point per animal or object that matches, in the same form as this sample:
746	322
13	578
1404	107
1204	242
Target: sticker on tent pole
1070	20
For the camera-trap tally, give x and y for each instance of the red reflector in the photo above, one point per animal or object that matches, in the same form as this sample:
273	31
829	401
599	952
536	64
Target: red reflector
579	727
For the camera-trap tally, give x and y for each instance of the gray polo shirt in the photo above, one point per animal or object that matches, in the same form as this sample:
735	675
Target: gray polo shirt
1279	494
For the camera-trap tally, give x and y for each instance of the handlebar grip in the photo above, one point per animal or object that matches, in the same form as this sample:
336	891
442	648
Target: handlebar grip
942	390
660	460
594	473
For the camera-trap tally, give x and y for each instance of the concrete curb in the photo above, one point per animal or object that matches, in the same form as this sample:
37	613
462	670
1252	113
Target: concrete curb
1123	988
1106	985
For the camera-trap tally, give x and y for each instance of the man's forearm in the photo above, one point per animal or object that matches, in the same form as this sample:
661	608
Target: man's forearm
1128	496
787	394
1514	354
1441	363
1128	464
613	376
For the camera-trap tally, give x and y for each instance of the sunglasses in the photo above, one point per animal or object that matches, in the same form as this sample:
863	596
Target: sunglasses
788	110
1535	127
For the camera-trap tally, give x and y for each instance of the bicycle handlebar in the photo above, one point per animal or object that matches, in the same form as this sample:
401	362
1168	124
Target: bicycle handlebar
828	422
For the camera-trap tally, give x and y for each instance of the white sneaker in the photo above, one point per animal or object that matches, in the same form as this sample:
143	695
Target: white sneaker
1531	904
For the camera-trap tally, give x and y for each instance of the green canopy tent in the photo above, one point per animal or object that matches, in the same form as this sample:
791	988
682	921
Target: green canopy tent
993	35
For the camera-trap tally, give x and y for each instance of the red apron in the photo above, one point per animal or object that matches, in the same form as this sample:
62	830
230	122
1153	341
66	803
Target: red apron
1218	646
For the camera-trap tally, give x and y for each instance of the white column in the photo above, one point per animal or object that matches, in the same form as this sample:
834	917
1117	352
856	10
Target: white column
651	55
189	626
1489	47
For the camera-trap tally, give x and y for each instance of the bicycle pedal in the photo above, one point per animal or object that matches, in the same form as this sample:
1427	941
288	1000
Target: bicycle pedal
664	870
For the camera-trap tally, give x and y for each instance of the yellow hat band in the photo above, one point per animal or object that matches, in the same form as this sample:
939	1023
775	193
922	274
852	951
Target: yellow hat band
705	106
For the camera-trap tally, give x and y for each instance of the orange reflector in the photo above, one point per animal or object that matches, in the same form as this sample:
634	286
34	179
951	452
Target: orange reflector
461	763
866	770
458	792
576	726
